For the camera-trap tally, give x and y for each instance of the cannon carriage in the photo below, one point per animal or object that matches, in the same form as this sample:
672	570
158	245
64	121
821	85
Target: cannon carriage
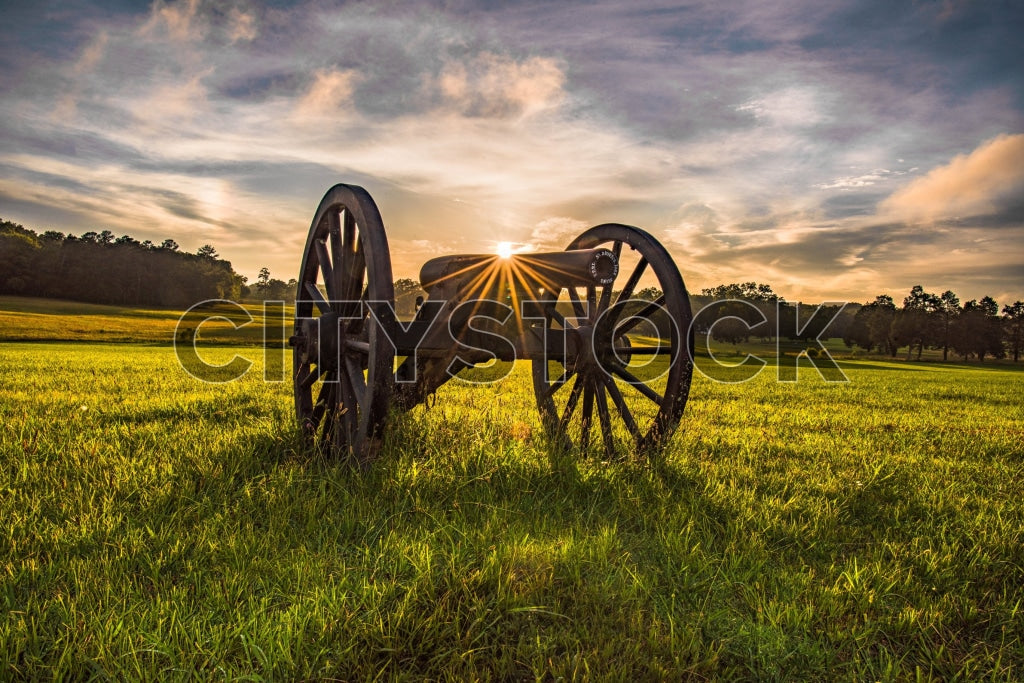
611	371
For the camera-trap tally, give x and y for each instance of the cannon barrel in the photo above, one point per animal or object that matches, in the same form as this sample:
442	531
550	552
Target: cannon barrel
486	274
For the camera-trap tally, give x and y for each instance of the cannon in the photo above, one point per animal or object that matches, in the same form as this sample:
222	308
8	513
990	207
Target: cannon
604	324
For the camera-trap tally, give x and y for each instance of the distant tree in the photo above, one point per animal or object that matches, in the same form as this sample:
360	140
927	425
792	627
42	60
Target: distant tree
648	294
105	237
760	296
90	236
206	251
126	239
19	251
872	326
947	311
914	324
1013	328
273	289
53	236
979	331
281	290
169	245
749	291
857	333
840	325
824	322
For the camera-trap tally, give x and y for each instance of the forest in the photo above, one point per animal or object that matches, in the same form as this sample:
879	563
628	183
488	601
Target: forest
97	267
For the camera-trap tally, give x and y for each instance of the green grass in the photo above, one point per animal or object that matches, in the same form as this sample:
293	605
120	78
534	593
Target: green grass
155	527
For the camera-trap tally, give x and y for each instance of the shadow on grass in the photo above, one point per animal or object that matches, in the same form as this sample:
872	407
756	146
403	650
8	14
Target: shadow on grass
549	556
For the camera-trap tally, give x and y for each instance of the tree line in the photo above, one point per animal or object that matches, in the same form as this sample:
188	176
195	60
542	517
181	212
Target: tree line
975	329
938	321
97	267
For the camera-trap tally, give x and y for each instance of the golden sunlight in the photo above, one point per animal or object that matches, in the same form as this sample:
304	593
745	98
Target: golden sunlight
504	249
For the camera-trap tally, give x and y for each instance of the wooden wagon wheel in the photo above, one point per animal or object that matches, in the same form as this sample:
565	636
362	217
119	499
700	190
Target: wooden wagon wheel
634	357
342	360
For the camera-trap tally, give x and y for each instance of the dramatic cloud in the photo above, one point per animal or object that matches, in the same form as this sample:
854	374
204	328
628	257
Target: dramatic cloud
832	150
984	182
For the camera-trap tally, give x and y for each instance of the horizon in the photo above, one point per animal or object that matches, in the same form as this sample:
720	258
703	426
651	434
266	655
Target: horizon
834	153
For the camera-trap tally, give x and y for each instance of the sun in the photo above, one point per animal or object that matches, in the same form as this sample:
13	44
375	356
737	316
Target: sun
504	249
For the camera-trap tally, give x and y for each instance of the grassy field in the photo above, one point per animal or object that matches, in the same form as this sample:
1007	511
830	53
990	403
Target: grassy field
155	527
33	319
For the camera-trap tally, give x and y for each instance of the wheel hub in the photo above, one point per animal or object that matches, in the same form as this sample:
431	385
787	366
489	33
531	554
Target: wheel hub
320	340
329	340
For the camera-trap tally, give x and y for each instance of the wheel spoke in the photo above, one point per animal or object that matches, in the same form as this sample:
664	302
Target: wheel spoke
570	404
348	235
323	400
318	298
606	422
634	278
307	383
559	383
577	305
358	271
325	268
620	405
334	228
355	375
355	324
554	314
640	316
349	245
359	347
349	406
617	250
637	384
587	418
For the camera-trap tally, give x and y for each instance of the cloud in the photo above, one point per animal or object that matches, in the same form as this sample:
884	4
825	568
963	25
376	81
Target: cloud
177	20
982	182
241	27
193	21
172	103
330	92
756	143
694	230
90	57
852	181
553	234
493	85
792	107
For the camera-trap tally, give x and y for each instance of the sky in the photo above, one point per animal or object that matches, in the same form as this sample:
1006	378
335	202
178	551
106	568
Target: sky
834	150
